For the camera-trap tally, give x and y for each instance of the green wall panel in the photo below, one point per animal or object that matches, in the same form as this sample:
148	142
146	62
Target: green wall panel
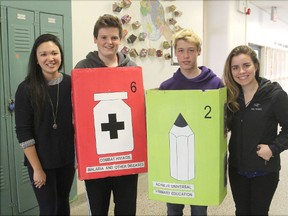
21	22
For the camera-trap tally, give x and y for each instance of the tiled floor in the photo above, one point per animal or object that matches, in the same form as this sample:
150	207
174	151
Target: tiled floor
147	207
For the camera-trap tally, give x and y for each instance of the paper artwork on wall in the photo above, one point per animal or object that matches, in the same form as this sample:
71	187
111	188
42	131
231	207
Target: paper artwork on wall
133	53
126	19
131	38
143	52
125	50
154	26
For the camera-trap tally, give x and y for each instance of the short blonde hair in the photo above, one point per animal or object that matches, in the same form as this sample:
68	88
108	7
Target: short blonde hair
189	36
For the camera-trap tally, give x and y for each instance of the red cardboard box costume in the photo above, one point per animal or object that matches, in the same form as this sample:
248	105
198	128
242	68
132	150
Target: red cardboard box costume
109	119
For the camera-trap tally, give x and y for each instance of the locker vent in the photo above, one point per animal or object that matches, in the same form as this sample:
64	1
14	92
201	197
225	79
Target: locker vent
2	181
22	39
25	175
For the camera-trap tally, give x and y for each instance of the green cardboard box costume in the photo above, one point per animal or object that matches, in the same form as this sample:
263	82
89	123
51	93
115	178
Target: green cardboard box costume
187	148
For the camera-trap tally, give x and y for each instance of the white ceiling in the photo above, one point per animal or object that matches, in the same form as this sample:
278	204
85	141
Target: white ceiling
282	8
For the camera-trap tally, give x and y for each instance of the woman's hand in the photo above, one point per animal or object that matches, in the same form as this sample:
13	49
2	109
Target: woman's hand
264	152
39	178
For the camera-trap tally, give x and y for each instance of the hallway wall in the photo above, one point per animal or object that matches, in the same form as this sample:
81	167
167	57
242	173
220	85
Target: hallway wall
219	22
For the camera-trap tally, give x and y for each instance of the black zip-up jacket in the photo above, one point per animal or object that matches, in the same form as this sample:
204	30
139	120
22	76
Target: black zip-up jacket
257	124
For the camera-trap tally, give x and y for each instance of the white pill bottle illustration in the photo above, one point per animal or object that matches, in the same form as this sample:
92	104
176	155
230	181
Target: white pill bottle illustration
182	159
112	123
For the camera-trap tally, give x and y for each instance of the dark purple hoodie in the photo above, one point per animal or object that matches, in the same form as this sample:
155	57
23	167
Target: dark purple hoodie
205	80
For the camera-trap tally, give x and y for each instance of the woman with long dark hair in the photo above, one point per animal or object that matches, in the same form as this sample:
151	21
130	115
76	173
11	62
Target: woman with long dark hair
43	115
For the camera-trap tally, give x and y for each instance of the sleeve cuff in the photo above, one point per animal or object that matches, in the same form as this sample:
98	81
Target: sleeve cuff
27	143
274	150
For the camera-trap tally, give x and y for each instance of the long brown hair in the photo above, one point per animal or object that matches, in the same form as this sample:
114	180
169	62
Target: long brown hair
233	88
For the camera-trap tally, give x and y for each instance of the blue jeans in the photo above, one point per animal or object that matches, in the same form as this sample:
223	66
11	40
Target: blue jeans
177	209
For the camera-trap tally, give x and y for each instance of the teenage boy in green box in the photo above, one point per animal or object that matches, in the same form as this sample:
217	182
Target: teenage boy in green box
187	47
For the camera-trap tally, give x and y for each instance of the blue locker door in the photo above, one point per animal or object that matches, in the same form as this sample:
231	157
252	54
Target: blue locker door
20	41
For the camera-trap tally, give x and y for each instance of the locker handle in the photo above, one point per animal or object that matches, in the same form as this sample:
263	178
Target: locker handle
11	105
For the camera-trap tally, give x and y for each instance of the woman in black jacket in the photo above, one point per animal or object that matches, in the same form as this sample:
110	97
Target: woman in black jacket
43	115
256	106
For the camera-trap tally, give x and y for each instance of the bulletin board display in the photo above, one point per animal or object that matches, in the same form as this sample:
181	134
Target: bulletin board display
109	119
187	150
157	27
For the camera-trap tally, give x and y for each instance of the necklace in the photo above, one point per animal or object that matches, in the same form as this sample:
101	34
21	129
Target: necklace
54	112
246	104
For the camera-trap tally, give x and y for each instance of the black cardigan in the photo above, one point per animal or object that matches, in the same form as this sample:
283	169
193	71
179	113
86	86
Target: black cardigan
55	148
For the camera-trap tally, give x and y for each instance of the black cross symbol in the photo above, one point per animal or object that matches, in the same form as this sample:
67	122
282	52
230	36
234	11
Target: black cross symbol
113	126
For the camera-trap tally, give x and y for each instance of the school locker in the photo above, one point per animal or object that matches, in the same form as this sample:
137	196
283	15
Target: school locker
19	28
